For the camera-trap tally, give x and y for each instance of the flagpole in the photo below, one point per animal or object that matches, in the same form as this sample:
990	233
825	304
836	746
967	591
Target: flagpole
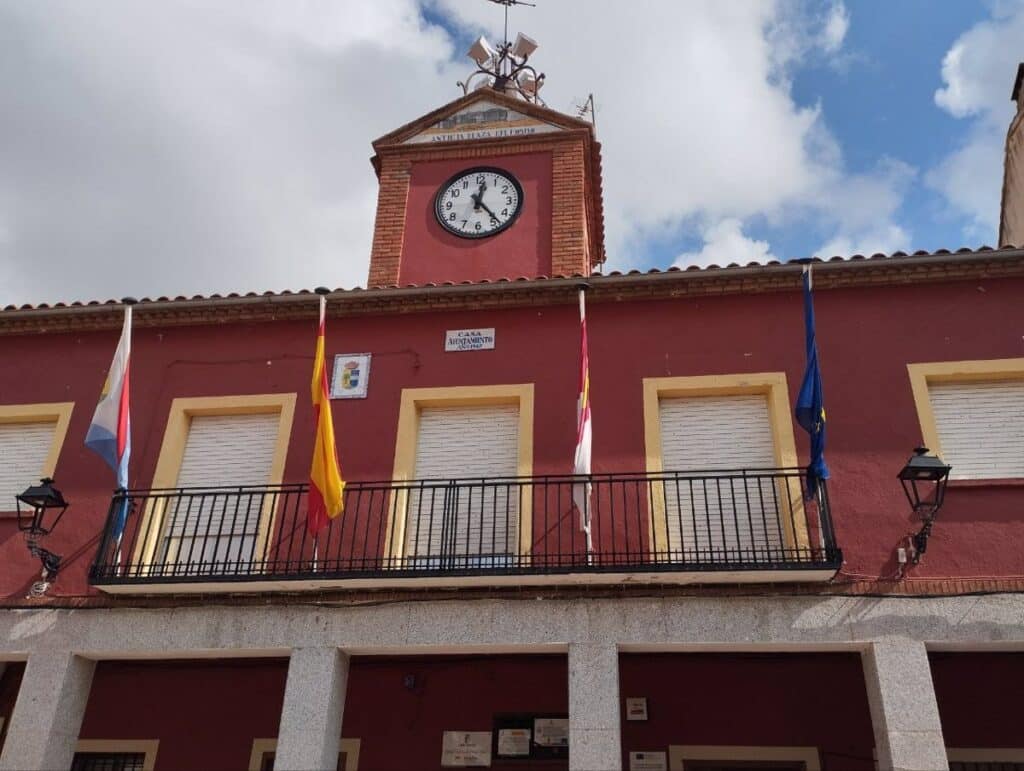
581	493
586	500
122	486
818	494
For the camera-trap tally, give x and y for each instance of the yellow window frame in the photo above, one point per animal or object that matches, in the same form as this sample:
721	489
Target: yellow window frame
923	374
148	748
773	386
679	754
414	400
58	413
172	454
262	746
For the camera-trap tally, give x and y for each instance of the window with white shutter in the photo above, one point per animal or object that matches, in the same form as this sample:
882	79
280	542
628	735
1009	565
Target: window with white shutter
31	436
213	527
454	520
23	451
980	425
709	517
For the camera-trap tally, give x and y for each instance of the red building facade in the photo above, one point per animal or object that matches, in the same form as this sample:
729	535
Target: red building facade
455	594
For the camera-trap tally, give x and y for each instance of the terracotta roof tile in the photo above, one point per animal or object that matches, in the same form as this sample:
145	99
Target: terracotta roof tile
513	279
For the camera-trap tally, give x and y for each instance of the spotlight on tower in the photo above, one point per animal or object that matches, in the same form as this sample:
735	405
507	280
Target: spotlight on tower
524	46
481	51
529	84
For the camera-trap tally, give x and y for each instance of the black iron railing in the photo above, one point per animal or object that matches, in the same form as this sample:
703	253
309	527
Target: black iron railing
752	519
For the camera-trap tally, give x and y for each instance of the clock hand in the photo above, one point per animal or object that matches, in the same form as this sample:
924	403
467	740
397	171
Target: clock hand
487	209
478	197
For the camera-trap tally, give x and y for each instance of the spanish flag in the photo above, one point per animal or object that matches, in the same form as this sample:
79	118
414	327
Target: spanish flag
326	487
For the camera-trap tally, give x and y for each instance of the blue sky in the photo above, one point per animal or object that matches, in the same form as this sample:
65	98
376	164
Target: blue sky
880	102
166	148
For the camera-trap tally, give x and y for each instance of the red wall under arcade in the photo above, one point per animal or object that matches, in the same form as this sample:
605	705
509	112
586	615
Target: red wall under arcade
979	697
866	337
207	713
760	700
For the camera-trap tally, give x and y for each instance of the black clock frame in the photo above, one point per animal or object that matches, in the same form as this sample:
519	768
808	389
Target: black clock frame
478	170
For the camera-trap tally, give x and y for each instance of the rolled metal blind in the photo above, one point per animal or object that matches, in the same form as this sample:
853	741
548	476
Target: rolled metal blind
221	450
23	451
708	519
465	522
981	427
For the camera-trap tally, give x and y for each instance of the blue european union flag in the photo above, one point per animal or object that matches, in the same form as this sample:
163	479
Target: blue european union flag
810	404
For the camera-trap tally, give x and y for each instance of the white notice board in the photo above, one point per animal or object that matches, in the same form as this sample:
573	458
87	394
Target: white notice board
461	749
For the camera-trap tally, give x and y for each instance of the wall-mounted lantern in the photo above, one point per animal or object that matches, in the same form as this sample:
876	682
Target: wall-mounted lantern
44	505
924	479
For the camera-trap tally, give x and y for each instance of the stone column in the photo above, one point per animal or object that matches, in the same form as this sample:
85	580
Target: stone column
595	743
309	736
904	712
48	712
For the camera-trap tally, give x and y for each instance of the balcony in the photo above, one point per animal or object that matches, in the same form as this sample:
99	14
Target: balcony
751	525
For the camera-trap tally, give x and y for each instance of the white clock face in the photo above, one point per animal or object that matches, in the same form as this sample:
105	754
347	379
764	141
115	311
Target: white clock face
479	202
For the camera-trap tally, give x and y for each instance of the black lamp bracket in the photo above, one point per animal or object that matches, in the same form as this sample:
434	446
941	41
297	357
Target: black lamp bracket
49	560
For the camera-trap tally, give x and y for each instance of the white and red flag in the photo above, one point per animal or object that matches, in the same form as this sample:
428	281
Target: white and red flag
581	464
109	434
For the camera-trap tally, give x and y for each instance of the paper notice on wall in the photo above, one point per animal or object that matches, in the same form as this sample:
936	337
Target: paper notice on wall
636	708
648	761
551	731
514	742
461	749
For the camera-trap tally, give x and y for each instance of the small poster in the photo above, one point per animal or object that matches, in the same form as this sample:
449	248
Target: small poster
469	339
514	742
648	761
551	731
462	749
351	377
636	708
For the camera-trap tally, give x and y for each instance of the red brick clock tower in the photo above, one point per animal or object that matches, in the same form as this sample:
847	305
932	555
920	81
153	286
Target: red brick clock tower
489	186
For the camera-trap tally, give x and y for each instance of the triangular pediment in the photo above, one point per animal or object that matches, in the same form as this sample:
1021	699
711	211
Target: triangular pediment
483	114
485	119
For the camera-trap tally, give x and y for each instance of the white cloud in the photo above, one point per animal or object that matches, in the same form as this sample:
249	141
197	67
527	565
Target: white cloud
864	210
697	125
725	243
837	24
181	147
978	72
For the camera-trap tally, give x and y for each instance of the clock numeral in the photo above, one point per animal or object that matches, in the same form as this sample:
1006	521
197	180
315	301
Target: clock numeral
478	226
448	205
451	217
504	189
456	192
508	200
465	184
464	224
504	212
480	179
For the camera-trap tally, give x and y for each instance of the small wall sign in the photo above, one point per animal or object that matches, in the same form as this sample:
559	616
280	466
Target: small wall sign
551	731
351	376
514	743
636	708
531	736
461	749
469	339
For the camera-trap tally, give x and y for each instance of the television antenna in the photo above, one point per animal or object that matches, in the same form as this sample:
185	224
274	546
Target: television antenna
508	4
587	111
